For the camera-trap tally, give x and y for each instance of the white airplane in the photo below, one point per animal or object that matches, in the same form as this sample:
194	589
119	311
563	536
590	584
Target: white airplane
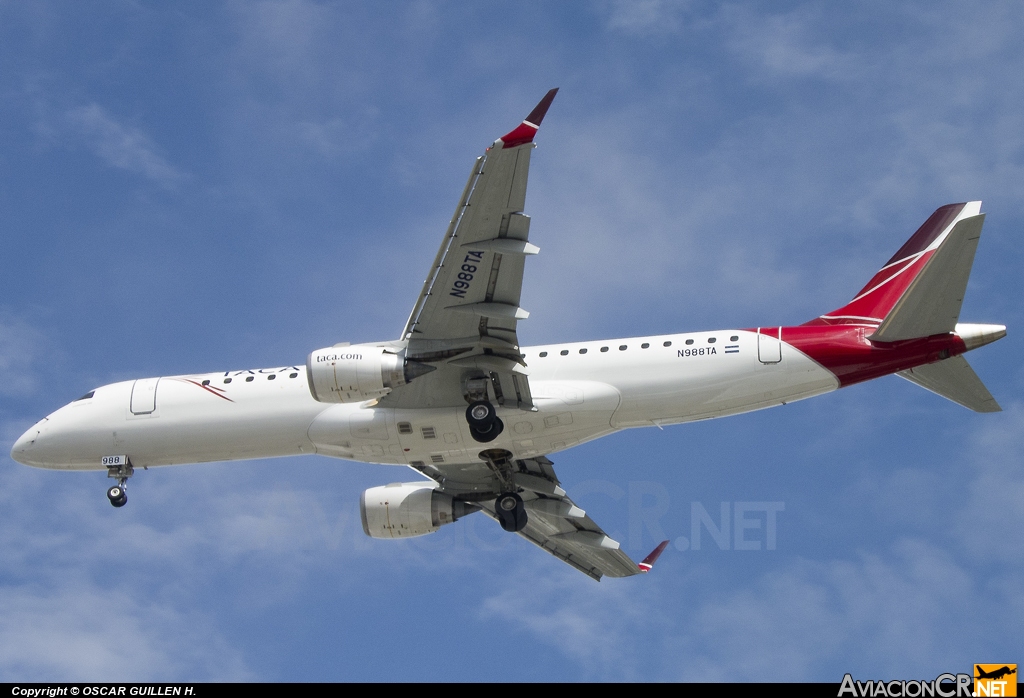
457	399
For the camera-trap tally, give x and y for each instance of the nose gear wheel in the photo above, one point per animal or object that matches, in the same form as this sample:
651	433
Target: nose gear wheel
117	496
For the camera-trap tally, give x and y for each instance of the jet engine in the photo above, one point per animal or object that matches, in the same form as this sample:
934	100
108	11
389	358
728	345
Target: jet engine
408	509
360	372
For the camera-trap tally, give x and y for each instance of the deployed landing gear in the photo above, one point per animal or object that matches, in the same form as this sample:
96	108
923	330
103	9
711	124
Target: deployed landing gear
117	496
484	424
118	467
511	512
508	506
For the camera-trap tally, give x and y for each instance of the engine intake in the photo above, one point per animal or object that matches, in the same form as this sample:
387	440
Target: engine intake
360	372
408	509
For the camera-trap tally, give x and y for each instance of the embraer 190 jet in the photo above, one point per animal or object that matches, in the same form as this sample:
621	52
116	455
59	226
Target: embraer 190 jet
457	399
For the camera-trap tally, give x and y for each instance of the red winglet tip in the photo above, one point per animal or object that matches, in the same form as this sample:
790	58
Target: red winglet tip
649	561
524	132
537	115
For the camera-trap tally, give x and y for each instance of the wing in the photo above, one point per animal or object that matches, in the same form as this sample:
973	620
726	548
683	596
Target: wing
464	321
554	522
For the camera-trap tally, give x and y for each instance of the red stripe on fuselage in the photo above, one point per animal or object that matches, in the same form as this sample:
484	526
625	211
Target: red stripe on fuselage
213	390
847	352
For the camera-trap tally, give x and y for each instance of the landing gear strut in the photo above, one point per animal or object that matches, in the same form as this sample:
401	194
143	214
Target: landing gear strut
117	494
484	424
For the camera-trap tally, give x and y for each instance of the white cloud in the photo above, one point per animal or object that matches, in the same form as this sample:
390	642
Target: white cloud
589	623
991	523
19	344
82	633
644	17
120	146
787	45
894	610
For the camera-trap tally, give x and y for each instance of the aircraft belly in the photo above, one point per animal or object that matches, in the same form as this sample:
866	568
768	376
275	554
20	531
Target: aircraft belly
568	413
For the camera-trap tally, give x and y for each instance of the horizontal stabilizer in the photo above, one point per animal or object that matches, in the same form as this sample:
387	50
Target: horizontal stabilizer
931	305
955	380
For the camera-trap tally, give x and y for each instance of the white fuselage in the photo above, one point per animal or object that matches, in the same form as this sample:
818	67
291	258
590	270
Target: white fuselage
581	390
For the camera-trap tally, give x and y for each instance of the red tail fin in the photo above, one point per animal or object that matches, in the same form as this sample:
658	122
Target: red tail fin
870	306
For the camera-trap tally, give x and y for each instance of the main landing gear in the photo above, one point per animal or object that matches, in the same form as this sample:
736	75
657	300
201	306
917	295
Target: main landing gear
117	494
511	512
508	506
484	424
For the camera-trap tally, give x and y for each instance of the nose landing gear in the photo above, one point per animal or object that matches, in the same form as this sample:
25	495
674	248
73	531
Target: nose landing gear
118	467
484	424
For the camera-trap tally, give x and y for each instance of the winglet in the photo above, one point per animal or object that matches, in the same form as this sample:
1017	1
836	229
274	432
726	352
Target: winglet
524	132
649	561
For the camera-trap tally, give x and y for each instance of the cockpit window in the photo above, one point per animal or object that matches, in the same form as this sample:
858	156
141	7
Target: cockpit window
87	395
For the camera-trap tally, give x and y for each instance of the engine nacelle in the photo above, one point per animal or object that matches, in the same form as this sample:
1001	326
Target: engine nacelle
408	509
360	372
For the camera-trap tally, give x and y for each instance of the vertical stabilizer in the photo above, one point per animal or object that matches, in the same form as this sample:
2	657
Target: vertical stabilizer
931	304
874	303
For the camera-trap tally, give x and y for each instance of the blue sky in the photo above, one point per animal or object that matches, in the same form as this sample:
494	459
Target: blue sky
205	186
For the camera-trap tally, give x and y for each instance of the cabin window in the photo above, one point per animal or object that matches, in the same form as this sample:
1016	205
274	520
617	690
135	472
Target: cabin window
227	380
293	375
564	352
583	351
206	382
622	347
645	345
734	338
667	344
404	428
543	354
711	340
604	348
689	341
272	376
249	379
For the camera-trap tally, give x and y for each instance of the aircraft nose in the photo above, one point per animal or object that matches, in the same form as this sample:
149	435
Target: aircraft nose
23	446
